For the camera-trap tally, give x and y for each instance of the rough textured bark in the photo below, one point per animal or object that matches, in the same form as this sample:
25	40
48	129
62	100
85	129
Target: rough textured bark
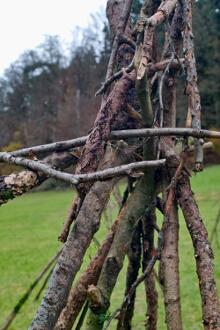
150	287
203	255
194	102
169	264
134	257
144	92
169	269
16	184
95	144
78	293
118	15
87	223
132	212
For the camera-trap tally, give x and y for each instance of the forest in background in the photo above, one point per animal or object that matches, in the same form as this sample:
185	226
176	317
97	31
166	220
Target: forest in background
47	96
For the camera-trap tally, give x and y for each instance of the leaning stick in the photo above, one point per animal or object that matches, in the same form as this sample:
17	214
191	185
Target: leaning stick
78	293
117	135
120	30
203	255
87	223
139	280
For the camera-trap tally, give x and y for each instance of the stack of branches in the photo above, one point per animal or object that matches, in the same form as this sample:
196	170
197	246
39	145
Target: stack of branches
134	136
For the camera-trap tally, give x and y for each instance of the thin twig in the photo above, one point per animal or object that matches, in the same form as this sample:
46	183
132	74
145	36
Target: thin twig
214	230
115	76
44	284
151	70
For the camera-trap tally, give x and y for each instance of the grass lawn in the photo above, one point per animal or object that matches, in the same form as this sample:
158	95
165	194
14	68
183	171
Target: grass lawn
31	224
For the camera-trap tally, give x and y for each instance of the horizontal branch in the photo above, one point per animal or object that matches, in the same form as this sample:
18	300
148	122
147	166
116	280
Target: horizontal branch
50	147
17	183
79	178
117	135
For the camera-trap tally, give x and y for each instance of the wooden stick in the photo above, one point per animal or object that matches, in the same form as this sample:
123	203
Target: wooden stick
75	179
117	135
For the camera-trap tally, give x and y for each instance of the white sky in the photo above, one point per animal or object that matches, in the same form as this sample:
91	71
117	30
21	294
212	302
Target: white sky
24	23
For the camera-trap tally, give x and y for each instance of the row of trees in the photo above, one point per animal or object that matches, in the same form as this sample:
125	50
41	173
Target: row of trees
45	96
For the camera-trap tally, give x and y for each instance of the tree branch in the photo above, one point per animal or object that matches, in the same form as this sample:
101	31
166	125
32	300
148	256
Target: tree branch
78	293
117	135
16	184
76	179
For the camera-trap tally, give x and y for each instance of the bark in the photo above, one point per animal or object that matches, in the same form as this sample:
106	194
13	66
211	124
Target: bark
203	255
148	250
132	212
169	269
79	178
95	143
194	102
202	250
16	184
78	293
87	223
118	13
144	60
134	257
120	134
169	264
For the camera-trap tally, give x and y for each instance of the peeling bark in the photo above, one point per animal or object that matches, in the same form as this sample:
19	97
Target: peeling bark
87	223
16	184
144	60
169	264
132	212
203	255
194	102
78	293
95	144
169	269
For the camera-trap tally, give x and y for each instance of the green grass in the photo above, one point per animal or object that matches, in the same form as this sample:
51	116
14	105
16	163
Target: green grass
29	229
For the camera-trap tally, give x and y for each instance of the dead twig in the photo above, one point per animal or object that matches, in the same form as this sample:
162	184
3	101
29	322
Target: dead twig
214	230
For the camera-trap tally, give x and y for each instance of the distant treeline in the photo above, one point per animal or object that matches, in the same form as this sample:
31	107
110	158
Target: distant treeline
45	96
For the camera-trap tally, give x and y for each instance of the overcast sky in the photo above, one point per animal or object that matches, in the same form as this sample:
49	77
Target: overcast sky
24	23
